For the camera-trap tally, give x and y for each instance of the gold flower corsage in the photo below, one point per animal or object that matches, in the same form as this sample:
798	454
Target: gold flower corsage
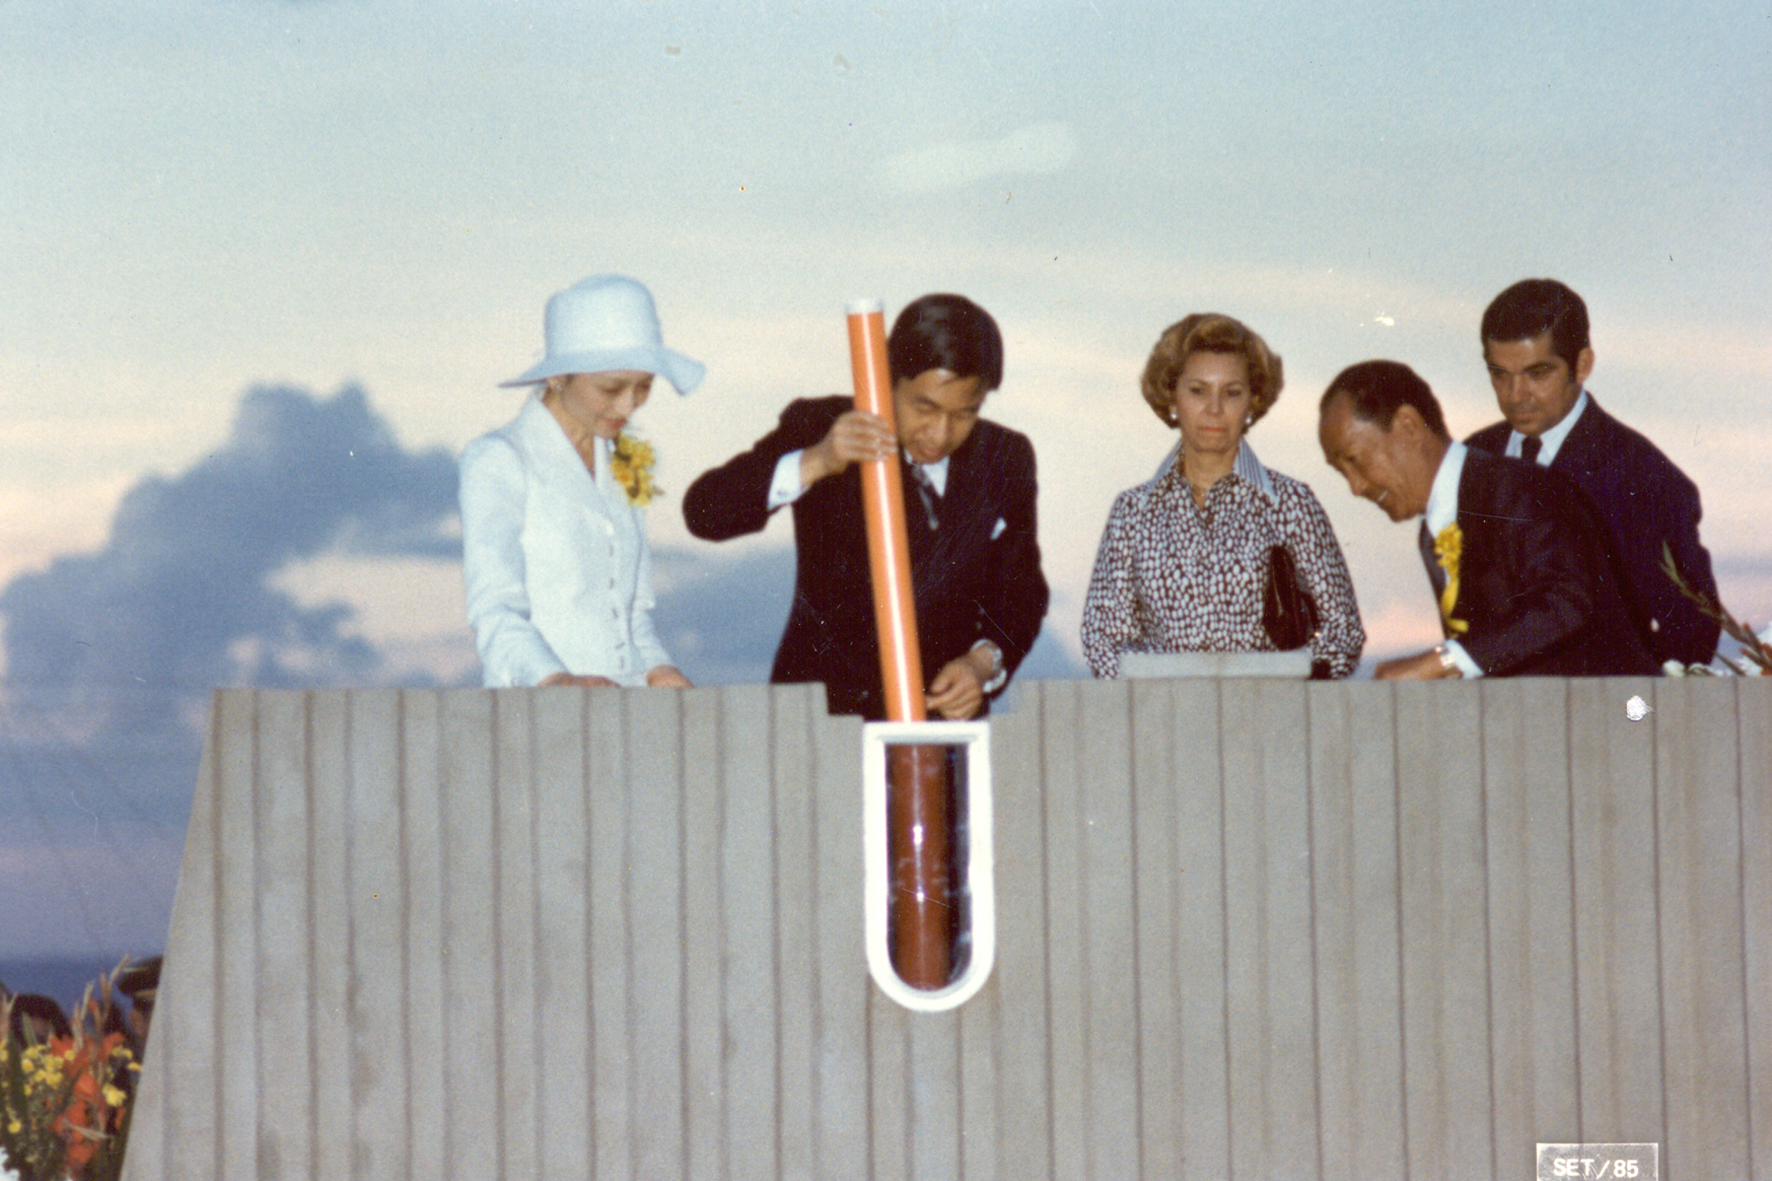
1449	548
632	468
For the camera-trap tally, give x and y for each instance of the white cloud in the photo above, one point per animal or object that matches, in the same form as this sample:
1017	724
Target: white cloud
1037	149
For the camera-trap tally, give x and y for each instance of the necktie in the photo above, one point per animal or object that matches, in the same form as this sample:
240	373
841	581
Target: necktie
926	490
1530	446
1436	575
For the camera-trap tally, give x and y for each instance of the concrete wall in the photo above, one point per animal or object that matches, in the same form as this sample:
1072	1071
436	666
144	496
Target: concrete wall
1253	929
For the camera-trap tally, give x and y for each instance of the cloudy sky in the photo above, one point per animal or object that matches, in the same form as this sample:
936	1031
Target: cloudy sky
265	263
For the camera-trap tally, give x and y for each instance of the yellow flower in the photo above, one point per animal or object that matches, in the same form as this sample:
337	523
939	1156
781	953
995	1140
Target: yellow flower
15	1127
632	468
1448	548
114	1095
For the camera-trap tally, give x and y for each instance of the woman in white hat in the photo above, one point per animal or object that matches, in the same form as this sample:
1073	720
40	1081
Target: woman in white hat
559	577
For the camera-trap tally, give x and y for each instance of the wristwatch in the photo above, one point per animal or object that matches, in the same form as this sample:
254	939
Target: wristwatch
998	674
1447	660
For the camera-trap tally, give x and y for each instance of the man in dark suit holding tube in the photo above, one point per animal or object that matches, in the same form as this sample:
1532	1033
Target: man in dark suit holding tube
969	491
1517	564
1536	345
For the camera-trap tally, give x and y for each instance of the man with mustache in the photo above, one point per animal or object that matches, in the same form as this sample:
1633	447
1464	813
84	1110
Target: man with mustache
1537	347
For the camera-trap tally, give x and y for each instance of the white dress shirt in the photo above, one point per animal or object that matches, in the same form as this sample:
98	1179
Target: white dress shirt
555	561
1442	510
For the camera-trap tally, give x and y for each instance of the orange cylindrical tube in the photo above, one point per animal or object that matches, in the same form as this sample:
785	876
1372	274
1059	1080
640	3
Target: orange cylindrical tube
918	826
889	550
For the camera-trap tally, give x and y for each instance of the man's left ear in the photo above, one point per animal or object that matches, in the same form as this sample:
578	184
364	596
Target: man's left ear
1584	365
1408	418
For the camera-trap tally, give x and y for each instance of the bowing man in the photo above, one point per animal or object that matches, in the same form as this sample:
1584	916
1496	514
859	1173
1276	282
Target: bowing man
969	493
1517	565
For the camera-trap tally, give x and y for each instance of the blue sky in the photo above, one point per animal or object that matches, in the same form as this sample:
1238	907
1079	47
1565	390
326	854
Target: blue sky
267	261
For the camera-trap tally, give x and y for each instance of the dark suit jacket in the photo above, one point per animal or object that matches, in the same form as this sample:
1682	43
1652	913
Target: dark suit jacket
1534	582
1643	501
971	581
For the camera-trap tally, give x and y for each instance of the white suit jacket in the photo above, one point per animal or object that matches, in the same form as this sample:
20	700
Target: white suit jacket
558	574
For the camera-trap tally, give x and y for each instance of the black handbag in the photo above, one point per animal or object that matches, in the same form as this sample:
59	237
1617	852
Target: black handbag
1287	611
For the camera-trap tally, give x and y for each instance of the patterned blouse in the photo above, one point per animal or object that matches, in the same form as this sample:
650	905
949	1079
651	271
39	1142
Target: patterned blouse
1171	576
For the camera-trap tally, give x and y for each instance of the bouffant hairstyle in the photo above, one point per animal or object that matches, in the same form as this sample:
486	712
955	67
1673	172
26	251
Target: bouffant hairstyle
1210	332
948	332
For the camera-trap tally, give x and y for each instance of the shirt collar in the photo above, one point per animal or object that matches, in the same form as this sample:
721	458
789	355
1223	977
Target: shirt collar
540	421
1250	469
937	472
1247	466
1442	500
1552	440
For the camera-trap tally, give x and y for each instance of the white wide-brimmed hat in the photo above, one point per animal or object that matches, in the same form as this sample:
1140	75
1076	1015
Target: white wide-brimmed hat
608	322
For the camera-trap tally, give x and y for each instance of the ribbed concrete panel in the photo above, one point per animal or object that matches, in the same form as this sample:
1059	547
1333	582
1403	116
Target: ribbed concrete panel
1442	850
1531	915
1246	928
1755	745
1356	892
1703	1012
1618	1002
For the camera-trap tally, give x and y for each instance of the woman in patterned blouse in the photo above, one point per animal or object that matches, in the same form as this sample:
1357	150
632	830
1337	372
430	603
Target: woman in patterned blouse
1184	560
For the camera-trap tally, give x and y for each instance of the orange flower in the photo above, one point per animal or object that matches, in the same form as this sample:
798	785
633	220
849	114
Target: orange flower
85	1086
82	1145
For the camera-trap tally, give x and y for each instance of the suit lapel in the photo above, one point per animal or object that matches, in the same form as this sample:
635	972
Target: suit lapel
1478	492
1491	498
965	498
561	465
1581	450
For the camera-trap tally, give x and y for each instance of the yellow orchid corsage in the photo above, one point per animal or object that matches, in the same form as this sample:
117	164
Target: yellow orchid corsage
1448	548
631	465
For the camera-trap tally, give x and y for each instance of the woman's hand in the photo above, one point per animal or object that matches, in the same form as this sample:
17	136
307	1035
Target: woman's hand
578	681
856	437
667	676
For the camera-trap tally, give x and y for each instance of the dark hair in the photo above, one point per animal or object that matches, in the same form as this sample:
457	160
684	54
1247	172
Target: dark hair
1532	306
946	332
1210	332
1377	389
37	1019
